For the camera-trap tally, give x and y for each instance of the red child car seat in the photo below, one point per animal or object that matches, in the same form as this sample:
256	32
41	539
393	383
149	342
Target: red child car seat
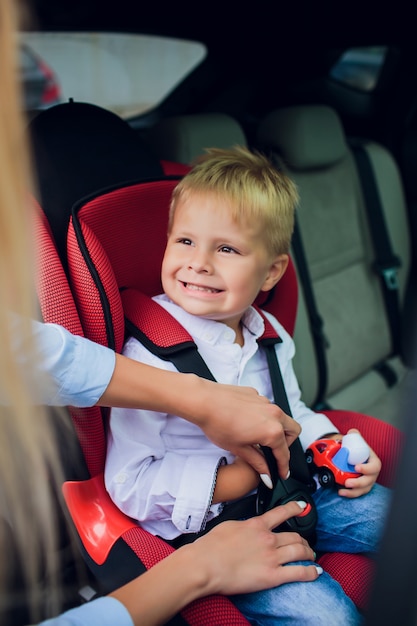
115	548
116	239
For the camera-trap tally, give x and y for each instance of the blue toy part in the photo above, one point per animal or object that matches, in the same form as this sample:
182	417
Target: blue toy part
340	460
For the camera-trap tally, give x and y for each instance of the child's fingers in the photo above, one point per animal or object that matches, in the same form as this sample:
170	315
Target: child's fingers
355	487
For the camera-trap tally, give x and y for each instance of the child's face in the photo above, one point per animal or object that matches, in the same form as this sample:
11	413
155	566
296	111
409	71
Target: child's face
214	267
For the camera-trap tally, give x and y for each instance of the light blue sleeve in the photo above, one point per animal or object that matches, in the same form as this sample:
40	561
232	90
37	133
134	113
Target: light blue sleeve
101	612
80	369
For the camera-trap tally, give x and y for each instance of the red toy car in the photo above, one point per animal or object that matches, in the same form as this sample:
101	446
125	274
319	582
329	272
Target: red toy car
329	460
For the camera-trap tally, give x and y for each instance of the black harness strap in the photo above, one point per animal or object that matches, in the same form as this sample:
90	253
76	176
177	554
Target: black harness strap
185	355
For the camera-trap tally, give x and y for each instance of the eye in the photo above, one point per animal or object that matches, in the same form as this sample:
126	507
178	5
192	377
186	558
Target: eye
228	250
185	241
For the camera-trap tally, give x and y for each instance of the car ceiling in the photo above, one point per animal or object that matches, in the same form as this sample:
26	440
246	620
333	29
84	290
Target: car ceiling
252	29
260	55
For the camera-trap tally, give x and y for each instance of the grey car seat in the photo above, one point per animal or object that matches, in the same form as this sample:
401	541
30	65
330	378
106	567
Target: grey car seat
363	371
183	138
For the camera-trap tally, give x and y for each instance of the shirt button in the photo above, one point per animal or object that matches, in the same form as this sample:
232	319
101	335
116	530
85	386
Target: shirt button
120	479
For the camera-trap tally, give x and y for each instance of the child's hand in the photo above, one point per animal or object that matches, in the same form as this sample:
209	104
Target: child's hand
355	487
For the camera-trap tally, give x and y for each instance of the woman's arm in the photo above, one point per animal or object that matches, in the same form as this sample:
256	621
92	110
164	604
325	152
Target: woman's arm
233	558
234	418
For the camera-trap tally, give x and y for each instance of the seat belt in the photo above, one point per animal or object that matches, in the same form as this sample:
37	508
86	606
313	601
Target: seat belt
386	263
320	340
184	354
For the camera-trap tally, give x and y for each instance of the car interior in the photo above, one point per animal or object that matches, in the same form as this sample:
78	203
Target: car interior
329	95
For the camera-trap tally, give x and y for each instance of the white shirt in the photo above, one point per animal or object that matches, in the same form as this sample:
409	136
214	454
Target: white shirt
160	468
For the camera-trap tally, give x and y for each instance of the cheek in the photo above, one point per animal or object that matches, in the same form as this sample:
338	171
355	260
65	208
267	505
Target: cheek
166	272
248	279
167	263
244	288
167	282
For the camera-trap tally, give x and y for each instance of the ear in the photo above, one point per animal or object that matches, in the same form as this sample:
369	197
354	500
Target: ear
275	272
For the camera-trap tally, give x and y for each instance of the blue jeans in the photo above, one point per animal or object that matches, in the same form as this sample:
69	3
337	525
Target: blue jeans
344	525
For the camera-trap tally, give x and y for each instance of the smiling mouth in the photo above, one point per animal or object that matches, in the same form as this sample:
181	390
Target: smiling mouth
193	287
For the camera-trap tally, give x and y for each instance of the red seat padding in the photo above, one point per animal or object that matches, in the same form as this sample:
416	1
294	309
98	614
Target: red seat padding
354	572
97	519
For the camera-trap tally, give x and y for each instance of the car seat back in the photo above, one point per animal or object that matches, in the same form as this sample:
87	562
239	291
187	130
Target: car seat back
57	306
121	233
183	138
79	148
125	249
309	142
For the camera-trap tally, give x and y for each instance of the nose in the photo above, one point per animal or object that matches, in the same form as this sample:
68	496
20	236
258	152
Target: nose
199	261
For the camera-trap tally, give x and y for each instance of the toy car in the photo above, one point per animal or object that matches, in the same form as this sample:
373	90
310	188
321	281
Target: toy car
329	460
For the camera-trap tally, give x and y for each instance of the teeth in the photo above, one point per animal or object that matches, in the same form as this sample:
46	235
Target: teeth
199	288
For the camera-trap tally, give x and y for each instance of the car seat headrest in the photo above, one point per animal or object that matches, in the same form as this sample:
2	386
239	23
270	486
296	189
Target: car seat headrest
306	137
183	138
79	148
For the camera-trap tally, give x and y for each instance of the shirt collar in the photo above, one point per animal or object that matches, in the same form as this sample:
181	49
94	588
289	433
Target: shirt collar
209	330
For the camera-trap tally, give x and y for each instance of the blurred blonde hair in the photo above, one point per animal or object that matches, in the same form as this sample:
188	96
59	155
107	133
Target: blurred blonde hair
29	466
256	190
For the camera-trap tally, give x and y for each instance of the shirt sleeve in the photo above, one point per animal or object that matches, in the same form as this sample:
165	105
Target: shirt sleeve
313	425
80	369
101	612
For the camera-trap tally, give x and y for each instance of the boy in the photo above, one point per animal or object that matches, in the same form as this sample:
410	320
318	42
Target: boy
229	233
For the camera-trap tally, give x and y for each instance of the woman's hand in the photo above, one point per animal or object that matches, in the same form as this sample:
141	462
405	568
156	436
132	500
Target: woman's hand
245	556
234	557
238	418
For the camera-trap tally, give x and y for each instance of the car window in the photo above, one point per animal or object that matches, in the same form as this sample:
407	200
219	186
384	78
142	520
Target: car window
26	60
41	88
360	67
127	74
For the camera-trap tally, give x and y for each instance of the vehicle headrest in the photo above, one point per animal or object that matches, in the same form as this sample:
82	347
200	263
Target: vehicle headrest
306	137
78	149
183	138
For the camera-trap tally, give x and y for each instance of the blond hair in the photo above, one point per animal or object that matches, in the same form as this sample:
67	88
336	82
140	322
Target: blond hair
256	190
29	467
